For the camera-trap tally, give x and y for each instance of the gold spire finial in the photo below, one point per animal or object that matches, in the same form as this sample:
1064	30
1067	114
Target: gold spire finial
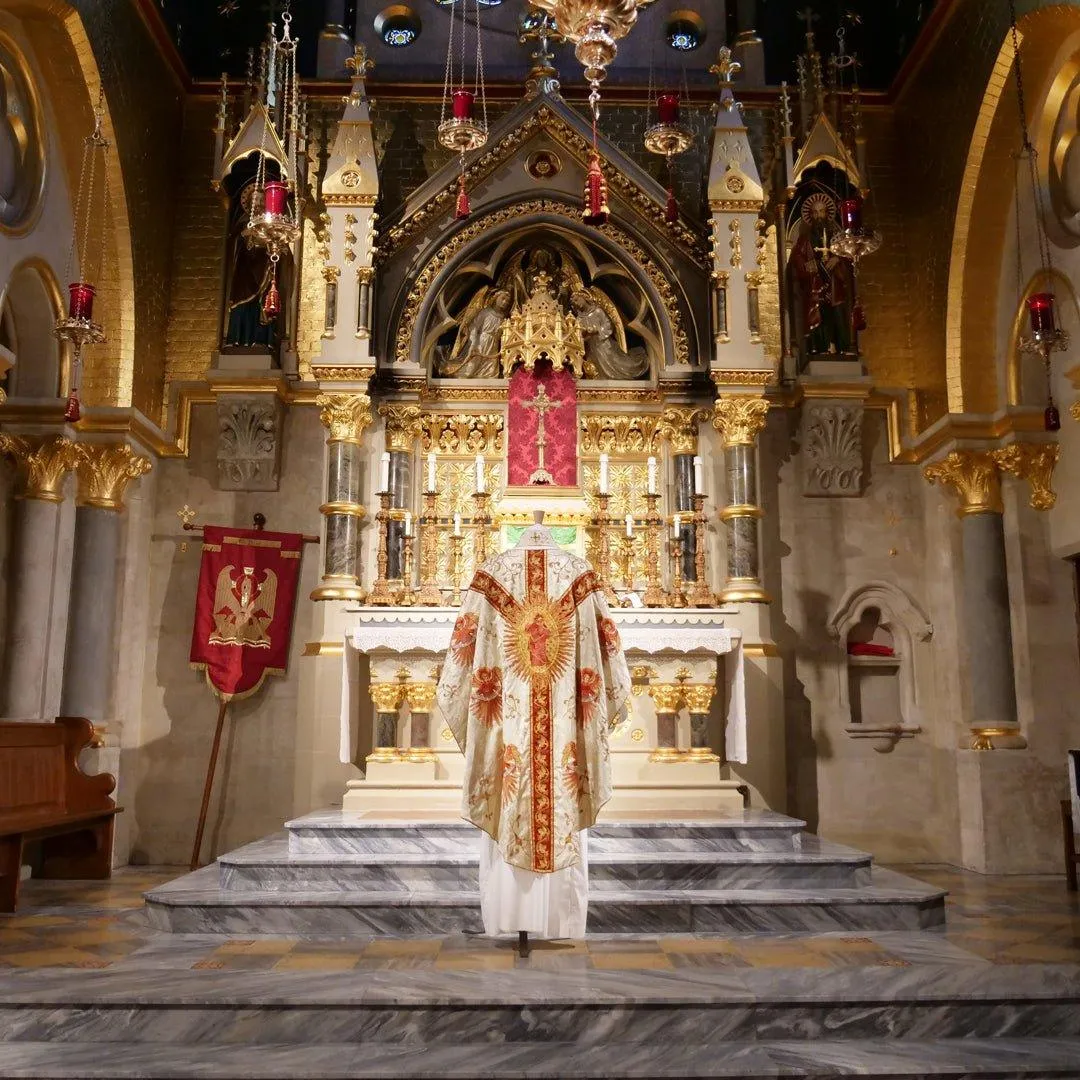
359	63
726	66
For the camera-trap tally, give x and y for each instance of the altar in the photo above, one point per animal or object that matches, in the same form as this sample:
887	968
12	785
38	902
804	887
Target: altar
689	694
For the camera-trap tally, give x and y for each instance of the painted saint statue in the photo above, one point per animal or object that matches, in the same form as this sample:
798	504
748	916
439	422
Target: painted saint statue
534	680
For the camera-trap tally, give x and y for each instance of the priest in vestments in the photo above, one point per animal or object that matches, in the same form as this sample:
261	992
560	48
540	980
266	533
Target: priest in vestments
534	680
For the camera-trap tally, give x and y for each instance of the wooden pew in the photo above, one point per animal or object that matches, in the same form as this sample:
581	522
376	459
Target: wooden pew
45	796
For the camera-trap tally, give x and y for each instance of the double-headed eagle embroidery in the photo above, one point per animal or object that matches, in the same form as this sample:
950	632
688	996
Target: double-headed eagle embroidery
244	608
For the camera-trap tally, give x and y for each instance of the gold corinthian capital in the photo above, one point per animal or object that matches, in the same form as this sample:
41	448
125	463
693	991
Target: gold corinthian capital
404	425
679	425
973	475
1033	462
344	415
42	464
739	417
105	470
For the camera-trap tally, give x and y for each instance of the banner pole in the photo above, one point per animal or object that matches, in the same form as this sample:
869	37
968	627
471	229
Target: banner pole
208	787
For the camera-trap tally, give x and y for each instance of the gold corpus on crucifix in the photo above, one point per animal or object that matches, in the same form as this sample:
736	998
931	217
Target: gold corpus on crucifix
543	405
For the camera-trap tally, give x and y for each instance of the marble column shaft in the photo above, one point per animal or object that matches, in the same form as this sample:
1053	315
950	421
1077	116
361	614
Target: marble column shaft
90	656
684	506
742	530
400	476
987	625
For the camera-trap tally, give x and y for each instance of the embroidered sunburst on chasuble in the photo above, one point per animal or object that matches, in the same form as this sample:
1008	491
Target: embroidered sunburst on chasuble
534	680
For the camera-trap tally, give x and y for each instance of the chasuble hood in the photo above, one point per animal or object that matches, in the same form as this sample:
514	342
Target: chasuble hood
534	680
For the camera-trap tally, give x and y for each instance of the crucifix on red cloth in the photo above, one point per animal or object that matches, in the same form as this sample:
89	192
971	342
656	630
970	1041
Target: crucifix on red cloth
541	445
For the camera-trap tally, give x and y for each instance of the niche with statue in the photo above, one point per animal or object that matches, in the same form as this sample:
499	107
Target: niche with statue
881	634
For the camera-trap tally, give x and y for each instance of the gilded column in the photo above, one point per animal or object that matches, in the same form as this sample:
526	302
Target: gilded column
666	698
104	472
421	699
386	698
679	426
975	479
403	426
345	416
698	702
43	465
739	418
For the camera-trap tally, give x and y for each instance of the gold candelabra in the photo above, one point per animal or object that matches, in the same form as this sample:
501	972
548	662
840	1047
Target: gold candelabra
654	590
381	594
407	597
481	521
626	550
430	594
603	524
677	597
455	567
700	595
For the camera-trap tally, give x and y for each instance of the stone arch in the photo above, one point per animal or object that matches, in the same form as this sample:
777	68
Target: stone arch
30	304
1050	44
909	626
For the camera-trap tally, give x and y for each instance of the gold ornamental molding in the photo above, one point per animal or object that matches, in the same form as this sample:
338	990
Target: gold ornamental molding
973	475
461	433
345	416
1035	463
104	472
422	285
739	418
742	377
761	648
740	510
404	425
42	464
620	433
345	373
544	119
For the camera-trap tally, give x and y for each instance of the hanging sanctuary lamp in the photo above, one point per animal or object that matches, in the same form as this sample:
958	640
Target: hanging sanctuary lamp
594	26
274	215
459	128
1046	336
86	256
669	136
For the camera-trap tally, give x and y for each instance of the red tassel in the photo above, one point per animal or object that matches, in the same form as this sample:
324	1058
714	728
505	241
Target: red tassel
596	194
463	209
272	301
73	410
671	211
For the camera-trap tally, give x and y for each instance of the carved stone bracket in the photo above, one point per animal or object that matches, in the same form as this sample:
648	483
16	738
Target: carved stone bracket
42	464
975	475
105	470
1035	463
832	446
739	417
249	443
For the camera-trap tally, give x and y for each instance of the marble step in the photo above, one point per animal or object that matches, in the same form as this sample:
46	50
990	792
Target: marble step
269	865
876	1058
196	903
336	832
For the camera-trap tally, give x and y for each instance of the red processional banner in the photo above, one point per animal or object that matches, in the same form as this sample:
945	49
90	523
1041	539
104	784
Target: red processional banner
542	427
244	607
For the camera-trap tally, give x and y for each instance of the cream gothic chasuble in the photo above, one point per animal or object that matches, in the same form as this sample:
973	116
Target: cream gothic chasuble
533	681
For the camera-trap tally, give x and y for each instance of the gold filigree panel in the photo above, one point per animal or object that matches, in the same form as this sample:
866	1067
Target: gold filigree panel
457	433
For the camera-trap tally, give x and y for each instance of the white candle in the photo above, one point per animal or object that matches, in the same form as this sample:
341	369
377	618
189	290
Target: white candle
676	524
408	523
629	525
652	476
431	472
603	474
699	476
384	472
457	524
480	473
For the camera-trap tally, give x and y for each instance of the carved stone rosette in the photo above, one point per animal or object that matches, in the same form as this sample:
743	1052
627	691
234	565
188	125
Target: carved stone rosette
42	465
345	417
104	472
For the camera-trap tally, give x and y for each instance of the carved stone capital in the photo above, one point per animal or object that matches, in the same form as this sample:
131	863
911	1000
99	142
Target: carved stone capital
345	415
1034	462
42	464
386	696
973	476
679	425
739	417
249	442
404	425
105	470
832	446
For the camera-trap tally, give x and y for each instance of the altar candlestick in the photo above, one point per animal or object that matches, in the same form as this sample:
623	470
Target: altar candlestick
384	471
603	474
676	523
629	526
652	476
457	524
408	523
480	474
431	472
699	476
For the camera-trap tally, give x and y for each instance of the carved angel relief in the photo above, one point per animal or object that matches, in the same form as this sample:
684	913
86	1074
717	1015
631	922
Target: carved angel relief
621	334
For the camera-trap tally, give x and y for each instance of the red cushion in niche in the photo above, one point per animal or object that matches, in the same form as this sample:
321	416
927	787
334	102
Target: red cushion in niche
868	648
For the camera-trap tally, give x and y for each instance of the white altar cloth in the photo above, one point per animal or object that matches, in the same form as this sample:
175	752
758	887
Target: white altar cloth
649	631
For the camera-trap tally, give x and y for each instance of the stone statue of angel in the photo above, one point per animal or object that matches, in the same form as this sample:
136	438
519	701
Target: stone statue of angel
606	354
476	350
